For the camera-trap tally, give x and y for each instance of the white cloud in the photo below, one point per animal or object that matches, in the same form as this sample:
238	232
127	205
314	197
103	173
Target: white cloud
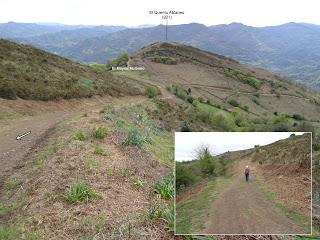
131	13
219	142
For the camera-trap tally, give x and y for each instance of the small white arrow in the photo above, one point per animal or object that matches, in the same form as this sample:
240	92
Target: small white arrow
22	135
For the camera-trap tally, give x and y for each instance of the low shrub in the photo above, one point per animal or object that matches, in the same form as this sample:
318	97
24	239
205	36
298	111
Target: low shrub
184	177
120	61
164	60
151	91
134	138
80	136
190	99
223	122
165	187
298	117
255	100
234	103
99	133
252	81
109	112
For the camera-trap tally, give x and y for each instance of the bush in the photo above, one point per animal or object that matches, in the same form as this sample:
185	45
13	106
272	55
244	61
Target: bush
206	161
120	61
201	100
180	93
164	60
165	187
151	91
280	119
7	91
80	136
79	192
220	121
134	138
99	133
255	100
239	118
185	128
190	99
252	81
316	147
298	117
109	113
316	100
305	127
234	103
184	177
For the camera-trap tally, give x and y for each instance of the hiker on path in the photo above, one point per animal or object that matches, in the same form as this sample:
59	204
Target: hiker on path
247	172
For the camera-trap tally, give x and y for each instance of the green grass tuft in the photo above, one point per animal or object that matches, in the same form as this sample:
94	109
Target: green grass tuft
151	91
80	192
13	183
134	138
138	183
99	133
100	151
165	187
80	136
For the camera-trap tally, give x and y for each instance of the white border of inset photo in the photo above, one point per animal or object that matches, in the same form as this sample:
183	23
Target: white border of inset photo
232	234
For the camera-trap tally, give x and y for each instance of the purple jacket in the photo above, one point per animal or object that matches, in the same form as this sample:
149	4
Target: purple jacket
246	171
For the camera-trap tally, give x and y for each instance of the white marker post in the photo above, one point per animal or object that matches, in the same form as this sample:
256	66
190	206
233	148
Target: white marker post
166	15
22	135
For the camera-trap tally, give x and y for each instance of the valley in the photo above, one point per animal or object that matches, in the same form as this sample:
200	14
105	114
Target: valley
289	49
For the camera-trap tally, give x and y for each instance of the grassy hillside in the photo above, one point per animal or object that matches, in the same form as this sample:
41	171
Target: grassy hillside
291	48
29	73
223	93
294	150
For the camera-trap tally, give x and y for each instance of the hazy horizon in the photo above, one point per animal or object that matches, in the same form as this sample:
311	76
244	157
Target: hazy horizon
145	25
135	13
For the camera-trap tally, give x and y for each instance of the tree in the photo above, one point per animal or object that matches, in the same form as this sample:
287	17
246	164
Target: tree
206	160
120	61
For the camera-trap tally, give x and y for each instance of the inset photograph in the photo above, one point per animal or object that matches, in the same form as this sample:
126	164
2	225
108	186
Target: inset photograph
243	183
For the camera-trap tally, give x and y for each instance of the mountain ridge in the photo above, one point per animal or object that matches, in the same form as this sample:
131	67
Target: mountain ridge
290	49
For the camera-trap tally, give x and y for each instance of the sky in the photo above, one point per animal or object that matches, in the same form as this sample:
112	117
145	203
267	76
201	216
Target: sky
186	143
136	12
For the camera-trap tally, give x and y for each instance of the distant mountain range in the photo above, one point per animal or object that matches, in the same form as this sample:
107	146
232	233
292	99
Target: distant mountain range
291	49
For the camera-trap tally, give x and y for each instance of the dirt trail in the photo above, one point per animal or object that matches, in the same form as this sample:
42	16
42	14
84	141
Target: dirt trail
13	152
242	209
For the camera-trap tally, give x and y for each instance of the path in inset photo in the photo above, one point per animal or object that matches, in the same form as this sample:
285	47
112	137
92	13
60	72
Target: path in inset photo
242	209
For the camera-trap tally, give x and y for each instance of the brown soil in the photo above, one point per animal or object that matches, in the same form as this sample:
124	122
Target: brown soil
41	119
291	183
119	204
242	209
